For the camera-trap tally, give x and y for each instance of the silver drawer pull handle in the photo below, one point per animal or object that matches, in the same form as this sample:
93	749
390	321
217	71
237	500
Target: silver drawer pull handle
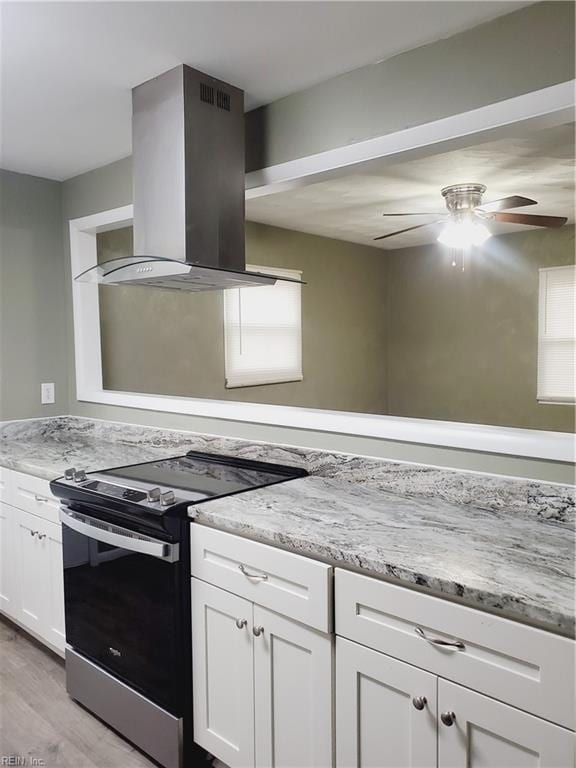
448	645
257	576
41	536
40	499
419	702
448	718
241	623
258	631
33	533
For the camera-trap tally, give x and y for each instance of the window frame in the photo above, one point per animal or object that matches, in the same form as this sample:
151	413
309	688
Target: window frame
542	337
554	446
293	377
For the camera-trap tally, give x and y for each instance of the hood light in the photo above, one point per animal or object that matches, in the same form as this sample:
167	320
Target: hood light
463	233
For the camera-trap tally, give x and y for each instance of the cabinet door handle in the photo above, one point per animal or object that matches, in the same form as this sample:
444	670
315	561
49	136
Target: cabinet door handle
419	702
41	535
257	631
448	718
33	533
447	645
257	576
241	623
40	499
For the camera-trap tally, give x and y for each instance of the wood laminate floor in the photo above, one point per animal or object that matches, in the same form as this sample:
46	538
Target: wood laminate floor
39	720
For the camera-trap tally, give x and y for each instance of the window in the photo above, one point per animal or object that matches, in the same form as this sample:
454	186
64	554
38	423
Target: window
557	335
263	332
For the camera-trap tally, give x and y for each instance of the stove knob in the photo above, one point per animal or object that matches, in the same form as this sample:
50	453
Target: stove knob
69	473
167	498
153	495
79	476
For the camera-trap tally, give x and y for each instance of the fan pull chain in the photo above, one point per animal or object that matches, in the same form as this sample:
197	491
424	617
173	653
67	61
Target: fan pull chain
462	253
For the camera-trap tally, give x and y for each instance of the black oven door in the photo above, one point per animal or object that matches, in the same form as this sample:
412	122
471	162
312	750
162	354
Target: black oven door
121	594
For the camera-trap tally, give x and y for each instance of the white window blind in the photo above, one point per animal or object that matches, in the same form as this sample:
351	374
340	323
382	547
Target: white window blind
263	332
557	335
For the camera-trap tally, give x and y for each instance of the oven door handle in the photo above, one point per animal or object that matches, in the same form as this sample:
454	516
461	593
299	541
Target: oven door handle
117	536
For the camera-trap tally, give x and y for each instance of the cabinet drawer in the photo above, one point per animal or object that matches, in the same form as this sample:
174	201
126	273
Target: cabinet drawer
32	494
521	665
289	584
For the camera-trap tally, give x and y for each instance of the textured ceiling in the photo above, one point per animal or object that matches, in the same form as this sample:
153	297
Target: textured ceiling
540	166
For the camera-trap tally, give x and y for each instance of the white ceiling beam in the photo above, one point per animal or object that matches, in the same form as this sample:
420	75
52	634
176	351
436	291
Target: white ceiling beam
536	110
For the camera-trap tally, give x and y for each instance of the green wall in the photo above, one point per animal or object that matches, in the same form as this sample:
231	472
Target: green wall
343	344
463	345
33	317
524	51
398	332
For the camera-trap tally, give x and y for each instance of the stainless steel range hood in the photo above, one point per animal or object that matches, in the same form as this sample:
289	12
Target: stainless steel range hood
188	187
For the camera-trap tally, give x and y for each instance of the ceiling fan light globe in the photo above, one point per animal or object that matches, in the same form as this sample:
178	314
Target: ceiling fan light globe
463	234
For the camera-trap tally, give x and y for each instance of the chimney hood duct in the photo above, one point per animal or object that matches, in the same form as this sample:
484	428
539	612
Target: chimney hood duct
188	188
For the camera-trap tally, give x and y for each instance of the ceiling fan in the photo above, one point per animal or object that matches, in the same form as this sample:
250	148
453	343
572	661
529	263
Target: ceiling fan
464	221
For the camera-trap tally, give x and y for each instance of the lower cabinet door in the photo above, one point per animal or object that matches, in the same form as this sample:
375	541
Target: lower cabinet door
478	732
292	693
40	600
385	711
32	571
223	674
8	560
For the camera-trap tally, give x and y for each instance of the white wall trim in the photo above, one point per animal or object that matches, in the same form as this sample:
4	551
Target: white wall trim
535	110
85	302
549	106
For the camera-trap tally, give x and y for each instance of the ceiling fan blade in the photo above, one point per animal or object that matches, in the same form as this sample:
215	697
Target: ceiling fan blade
408	229
422	213
515	201
530	219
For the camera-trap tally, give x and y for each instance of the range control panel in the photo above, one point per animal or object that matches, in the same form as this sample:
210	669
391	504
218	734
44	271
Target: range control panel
130	494
154	496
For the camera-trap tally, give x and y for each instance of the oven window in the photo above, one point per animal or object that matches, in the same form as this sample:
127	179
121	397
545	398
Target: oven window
122	613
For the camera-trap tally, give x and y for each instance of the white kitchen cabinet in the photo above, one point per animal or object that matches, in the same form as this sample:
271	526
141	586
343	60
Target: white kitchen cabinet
38	554
401	643
379	726
523	666
385	711
31	572
292	693
31	564
222	658
8	576
32	494
289	584
262	684
487	734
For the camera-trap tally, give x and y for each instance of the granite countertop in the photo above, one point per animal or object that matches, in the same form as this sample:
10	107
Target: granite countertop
494	561
493	543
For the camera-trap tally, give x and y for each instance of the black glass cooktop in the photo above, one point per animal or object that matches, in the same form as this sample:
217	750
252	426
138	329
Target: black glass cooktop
198	476
171	484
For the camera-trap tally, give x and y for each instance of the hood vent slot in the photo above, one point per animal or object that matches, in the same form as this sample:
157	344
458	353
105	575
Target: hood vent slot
223	100
206	93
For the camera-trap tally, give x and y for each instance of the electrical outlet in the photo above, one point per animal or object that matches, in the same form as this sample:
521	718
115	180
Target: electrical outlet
47	394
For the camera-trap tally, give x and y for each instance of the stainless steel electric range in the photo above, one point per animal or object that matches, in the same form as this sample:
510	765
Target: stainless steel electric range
127	589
